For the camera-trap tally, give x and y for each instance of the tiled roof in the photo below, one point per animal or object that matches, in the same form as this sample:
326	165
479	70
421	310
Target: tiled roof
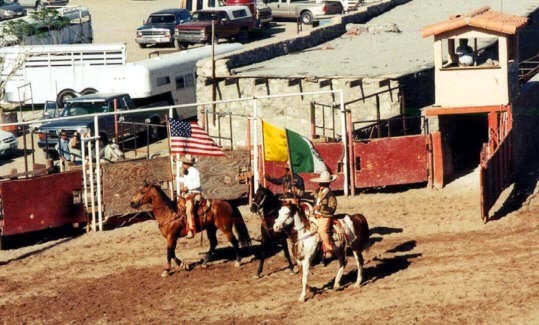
482	18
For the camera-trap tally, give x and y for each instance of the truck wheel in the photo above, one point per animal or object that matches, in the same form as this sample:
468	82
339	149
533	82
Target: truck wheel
306	17
64	95
142	46
243	36
88	91
182	45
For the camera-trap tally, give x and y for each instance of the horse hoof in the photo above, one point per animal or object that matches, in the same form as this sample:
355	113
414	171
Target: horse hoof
339	288
293	270
356	285
237	264
165	273
301	299
204	265
185	267
258	276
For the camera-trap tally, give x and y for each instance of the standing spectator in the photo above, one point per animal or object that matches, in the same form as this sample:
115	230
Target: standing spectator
63	150
74	148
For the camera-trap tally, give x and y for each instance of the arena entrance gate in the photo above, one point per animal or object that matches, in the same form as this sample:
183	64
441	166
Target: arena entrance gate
496	160
388	152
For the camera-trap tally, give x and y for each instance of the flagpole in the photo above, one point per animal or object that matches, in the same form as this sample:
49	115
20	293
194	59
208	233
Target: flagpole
289	163
345	143
167	122
263	155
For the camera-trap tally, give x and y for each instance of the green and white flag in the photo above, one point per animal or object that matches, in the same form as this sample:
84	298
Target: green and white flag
303	156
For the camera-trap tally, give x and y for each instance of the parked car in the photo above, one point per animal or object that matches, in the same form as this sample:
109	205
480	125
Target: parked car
305	10
160	26
8	142
85	105
37	4
231	22
10	9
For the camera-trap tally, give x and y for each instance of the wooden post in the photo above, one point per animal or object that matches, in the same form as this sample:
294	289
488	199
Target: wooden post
352	155
249	166
213	92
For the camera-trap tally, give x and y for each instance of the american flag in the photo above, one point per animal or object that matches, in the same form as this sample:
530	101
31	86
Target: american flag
188	137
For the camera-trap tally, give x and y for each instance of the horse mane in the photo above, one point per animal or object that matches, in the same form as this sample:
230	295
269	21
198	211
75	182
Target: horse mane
165	197
302	216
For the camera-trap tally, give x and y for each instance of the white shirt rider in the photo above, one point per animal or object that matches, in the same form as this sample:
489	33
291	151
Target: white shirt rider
191	181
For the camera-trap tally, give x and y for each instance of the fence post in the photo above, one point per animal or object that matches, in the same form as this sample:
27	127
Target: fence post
98	173
345	142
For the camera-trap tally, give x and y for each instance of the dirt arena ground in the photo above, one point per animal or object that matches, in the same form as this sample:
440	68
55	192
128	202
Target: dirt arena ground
433	261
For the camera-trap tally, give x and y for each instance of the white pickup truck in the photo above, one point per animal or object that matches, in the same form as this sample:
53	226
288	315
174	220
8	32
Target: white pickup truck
307	11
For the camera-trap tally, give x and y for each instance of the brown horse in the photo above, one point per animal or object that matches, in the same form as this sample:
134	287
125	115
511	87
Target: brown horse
172	222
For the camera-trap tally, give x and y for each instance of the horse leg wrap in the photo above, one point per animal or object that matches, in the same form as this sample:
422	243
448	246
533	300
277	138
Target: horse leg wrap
170	254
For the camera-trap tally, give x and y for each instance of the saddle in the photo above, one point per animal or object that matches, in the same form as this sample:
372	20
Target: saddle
343	228
201	209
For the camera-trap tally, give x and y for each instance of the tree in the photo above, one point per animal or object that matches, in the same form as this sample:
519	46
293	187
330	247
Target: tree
43	23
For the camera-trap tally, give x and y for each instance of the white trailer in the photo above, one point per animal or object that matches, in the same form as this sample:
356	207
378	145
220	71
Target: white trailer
61	72
78	29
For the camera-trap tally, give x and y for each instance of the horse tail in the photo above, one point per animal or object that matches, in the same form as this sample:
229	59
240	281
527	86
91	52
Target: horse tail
362	231
241	227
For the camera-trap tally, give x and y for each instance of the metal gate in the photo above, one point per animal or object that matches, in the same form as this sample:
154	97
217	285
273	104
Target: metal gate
390	152
496	160
391	161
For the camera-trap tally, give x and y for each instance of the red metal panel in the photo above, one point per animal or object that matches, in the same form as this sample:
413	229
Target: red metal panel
39	203
332	153
391	161
496	173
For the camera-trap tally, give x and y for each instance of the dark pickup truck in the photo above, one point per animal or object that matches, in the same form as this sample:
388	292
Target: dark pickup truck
86	105
160	26
231	22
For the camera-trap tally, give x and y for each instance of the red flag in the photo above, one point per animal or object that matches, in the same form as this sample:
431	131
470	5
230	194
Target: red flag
188	137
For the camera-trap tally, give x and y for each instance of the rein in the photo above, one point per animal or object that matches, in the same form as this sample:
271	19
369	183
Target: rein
171	220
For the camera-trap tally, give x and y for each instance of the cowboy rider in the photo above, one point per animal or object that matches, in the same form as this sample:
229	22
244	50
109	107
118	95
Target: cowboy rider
293	185
324	209
190	189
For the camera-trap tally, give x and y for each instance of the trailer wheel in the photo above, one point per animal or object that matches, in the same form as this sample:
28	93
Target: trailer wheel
88	91
64	95
306	17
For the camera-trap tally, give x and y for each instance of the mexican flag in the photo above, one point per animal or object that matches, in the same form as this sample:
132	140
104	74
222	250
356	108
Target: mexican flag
286	145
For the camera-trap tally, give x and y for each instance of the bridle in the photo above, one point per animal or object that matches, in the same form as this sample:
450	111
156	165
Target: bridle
160	224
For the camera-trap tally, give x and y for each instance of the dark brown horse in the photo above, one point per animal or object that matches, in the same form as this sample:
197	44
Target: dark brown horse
172	222
267	205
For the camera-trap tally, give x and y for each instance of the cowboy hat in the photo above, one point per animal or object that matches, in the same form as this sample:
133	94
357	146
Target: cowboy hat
188	159
324	177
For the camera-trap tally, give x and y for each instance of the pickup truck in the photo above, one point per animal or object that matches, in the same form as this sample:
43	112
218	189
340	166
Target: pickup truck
85	105
305	11
231	22
160	26
260	9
